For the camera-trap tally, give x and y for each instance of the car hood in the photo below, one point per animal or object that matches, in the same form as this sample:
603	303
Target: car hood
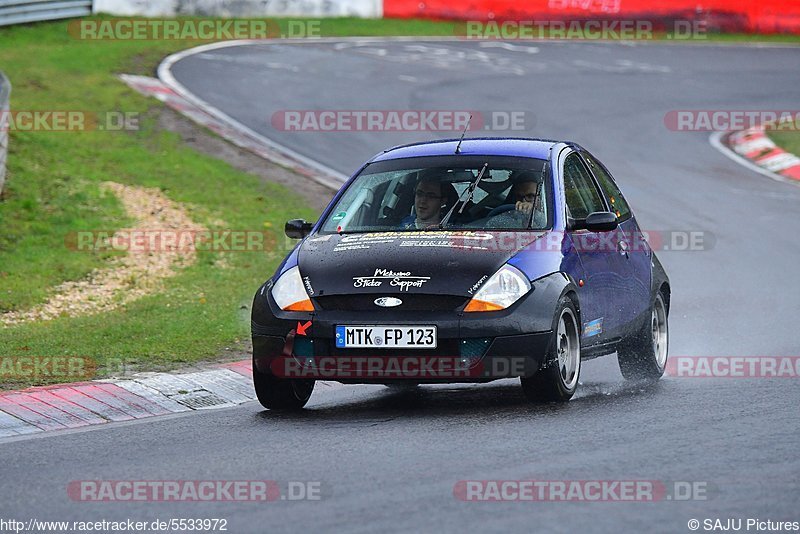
390	263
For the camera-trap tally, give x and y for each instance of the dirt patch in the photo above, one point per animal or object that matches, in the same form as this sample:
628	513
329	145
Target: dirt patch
129	277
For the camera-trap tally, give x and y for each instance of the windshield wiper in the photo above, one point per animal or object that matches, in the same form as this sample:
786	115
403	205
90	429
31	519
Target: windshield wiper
537	195
470	191
533	204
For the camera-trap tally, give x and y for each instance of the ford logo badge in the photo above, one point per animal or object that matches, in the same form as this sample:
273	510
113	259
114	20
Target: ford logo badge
388	302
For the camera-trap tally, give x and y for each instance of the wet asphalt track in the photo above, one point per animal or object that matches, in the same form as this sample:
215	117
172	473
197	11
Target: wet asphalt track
388	461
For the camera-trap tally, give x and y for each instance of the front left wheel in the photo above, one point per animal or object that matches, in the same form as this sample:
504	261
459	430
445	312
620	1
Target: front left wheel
281	393
557	380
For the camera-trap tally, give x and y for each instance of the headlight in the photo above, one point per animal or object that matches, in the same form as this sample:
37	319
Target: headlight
503	289
290	293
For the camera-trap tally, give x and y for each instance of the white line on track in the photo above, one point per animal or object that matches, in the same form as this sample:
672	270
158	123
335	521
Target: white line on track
328	175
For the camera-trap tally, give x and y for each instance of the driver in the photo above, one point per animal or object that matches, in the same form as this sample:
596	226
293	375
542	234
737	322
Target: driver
428	202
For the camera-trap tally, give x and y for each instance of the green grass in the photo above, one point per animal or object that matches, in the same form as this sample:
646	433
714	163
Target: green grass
787	139
53	189
774	38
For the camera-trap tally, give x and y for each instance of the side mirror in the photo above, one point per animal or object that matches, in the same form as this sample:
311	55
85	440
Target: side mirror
298	228
601	221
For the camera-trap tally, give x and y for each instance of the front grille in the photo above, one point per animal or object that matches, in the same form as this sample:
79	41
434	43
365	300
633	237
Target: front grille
410	302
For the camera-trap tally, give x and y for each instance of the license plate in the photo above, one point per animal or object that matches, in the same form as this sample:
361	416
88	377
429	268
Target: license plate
386	337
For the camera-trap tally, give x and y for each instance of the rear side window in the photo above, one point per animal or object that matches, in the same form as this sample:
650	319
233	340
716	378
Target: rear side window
581	194
617	202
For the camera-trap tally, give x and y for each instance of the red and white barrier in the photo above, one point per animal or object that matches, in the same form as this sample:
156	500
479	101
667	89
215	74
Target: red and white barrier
754	145
763	16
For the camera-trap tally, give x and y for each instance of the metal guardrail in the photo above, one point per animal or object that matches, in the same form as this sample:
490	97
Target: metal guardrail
5	94
19	11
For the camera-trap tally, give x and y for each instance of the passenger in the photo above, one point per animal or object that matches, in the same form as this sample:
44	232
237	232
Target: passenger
524	191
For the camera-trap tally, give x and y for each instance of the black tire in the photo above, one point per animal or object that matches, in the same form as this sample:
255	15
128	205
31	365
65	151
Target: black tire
402	386
557	380
281	393
644	355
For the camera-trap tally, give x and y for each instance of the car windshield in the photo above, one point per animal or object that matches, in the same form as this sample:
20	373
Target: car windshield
445	192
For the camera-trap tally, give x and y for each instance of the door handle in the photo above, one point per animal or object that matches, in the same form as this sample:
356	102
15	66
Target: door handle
622	247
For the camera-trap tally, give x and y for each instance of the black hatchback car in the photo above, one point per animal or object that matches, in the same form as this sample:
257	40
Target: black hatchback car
463	261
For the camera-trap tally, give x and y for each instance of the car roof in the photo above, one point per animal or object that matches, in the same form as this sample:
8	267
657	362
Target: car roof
498	146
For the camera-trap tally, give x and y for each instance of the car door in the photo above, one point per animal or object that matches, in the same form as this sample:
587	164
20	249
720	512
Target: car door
632	256
582	197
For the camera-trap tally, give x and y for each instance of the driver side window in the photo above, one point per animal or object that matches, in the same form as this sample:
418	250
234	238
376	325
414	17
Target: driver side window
581	194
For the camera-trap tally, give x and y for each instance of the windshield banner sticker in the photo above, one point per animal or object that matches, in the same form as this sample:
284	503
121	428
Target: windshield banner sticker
413	239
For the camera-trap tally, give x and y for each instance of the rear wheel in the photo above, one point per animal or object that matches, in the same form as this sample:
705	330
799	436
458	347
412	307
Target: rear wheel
644	355
557	380
402	386
281	393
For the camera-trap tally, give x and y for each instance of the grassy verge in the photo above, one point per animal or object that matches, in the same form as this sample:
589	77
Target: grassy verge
788	139
53	190
776	38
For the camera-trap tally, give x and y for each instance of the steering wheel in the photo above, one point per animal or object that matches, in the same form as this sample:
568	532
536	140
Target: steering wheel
502	209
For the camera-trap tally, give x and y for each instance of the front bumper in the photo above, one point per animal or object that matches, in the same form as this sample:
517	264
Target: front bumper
310	357
476	347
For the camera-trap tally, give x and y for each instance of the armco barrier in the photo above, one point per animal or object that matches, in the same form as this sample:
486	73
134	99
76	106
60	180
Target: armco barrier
763	16
19	11
5	94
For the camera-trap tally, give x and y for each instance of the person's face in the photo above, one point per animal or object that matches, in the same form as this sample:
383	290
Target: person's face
525	192
428	200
